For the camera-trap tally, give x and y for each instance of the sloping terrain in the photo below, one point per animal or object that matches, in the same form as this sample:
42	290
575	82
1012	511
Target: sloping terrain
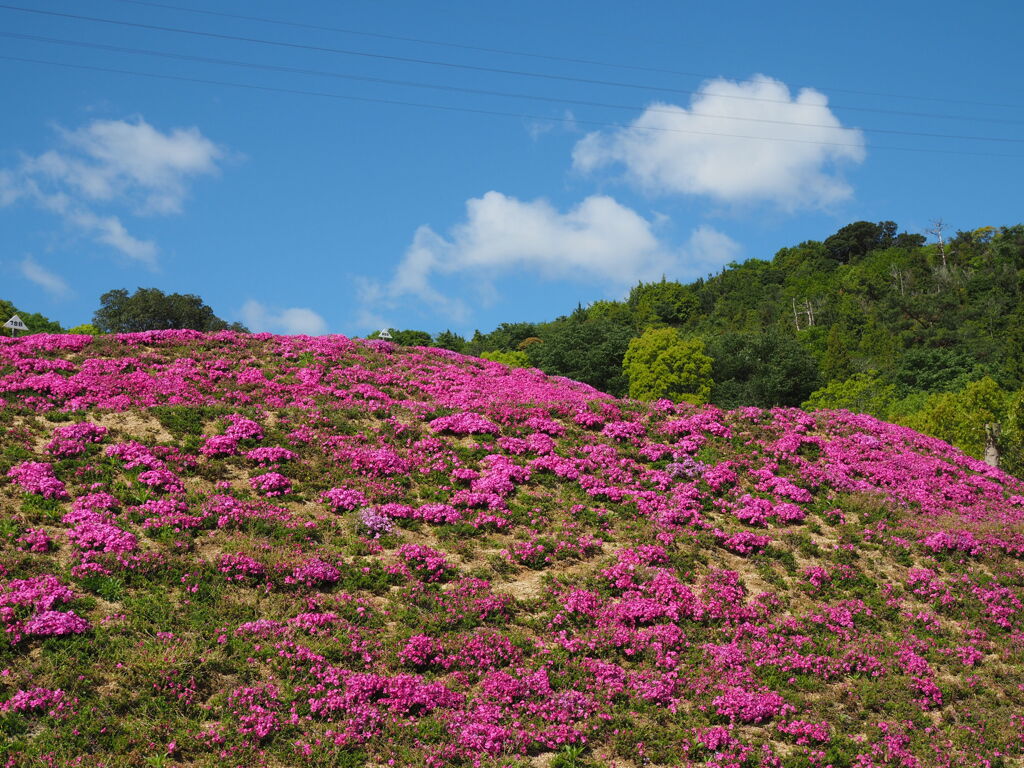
249	550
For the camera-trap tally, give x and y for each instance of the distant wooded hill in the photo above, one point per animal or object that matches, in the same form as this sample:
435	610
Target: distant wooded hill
931	336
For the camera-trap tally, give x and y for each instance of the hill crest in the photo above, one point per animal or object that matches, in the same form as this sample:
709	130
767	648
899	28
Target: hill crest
295	550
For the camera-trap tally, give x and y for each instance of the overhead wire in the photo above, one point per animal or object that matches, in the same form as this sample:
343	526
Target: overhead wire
477	91
489	112
472	67
527	54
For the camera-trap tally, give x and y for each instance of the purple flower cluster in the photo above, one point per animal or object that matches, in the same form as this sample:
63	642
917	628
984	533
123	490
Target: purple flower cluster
375	521
37	477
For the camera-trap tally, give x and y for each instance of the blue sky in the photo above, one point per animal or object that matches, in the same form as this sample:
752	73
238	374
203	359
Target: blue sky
559	153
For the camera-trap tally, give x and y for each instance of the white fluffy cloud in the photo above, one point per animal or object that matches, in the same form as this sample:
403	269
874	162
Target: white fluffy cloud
701	150
44	278
599	240
294	320
108	166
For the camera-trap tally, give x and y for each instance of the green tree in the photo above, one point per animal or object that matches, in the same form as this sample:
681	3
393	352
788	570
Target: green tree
861	393
1012	434
962	417
858	239
85	329
506	336
448	340
662	364
586	349
412	338
406	338
36	322
150	309
763	369
663	302
513	359
934	370
837	362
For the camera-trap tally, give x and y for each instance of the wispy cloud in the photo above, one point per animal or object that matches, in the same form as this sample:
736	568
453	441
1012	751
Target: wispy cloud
44	278
110	231
565	124
108	168
703	149
293	320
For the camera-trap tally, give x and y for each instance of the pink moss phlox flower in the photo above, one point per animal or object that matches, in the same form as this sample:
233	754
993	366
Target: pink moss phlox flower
94	532
42	593
752	707
172	513
949	541
720	476
242	428
314	572
265	456
465	423
83	432
220	445
806	732
420	652
240	567
343	499
545	425
624	431
742	543
37	477
134	454
261	628
72	439
437	514
56	623
162	480
51	701
426	563
271	484
34	540
257	709
100	503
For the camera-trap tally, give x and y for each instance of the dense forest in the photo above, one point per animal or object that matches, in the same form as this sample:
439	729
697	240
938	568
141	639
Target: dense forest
929	335
875	321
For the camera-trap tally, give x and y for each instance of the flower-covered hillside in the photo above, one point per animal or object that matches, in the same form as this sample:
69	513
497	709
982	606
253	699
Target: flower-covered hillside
249	550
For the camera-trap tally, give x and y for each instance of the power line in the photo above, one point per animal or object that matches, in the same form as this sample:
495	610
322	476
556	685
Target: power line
527	54
488	112
474	91
471	67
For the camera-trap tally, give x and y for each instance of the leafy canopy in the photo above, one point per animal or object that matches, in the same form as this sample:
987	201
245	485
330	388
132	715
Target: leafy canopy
150	309
36	322
514	359
661	364
763	369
